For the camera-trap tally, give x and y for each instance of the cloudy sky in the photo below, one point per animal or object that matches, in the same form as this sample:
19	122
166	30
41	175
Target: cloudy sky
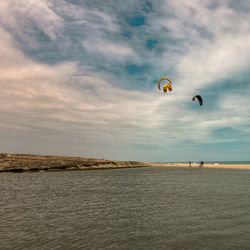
79	77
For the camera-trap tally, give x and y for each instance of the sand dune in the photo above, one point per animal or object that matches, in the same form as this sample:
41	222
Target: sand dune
25	162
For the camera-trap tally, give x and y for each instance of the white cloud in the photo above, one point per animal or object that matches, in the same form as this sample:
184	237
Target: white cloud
214	61
215	42
23	17
65	93
109	49
83	104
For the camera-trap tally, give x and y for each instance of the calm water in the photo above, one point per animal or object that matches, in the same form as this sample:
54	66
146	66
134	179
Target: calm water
220	162
146	208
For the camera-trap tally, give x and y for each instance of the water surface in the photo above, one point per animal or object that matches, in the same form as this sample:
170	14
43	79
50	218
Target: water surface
140	208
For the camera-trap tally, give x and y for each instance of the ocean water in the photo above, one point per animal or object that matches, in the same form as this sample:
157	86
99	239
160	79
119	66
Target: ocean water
229	162
140	208
219	162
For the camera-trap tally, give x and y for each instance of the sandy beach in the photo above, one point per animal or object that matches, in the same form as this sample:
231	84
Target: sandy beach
232	166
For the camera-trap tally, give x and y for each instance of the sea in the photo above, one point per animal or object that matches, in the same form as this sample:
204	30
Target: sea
215	162
138	208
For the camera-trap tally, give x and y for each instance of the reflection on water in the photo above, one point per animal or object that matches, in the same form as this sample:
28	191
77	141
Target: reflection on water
141	208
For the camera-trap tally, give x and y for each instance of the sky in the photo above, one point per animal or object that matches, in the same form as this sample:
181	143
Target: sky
79	78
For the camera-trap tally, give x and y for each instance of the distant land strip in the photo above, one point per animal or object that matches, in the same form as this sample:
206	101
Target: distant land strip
18	163
206	165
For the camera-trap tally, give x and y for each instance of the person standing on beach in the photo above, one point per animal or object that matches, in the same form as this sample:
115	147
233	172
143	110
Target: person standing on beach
202	164
190	163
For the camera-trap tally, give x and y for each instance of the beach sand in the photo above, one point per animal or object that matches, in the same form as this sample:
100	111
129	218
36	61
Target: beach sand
232	166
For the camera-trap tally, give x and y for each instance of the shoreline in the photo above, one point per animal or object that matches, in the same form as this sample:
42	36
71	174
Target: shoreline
208	165
19	163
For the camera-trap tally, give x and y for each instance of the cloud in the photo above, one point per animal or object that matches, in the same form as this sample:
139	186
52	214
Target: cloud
41	97
23	18
108	49
100	94
213	62
210	52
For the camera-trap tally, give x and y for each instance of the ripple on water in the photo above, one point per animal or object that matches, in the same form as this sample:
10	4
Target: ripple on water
146	208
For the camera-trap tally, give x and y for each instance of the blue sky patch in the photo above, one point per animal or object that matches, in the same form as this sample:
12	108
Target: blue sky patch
148	7
133	69
150	44
135	21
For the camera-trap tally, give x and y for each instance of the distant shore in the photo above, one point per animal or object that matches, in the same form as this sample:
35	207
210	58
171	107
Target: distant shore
17	163
209	165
